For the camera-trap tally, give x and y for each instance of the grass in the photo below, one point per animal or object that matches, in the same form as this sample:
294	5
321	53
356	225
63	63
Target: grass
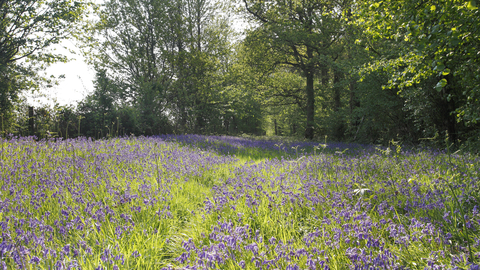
191	201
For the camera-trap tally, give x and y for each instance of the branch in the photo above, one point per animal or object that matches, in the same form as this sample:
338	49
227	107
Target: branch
254	13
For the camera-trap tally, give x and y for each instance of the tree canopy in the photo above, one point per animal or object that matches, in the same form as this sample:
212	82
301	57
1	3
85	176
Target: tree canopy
28	28
368	71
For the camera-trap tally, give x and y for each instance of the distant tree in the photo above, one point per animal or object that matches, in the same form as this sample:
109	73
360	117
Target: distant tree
98	109
299	34
165	58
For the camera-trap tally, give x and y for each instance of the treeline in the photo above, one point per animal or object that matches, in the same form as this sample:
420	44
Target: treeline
368	71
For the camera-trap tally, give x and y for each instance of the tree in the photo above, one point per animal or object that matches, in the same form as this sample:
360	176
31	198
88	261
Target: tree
300	34
98	109
439	59
166	59
130	46
27	29
239	109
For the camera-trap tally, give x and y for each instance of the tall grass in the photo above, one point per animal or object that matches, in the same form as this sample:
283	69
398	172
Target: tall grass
231	203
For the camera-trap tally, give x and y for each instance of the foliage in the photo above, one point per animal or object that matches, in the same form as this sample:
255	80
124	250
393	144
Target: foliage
8	96
440	43
172	77
381	115
300	34
27	29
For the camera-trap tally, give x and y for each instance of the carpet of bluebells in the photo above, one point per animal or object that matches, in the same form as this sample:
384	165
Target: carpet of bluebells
210	202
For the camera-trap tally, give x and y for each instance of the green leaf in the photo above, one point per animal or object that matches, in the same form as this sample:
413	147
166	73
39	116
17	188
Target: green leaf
472	5
439	67
442	83
446	72
374	6
454	41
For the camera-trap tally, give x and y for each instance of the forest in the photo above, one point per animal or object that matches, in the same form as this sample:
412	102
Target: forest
354	71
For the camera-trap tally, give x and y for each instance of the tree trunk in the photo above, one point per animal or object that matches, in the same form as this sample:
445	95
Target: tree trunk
449	116
354	103
275	124
324	76
338	126
31	121
309	73
226	124
336	91
310	107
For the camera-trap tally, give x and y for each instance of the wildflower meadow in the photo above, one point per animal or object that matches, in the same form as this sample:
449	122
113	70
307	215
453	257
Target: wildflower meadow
211	202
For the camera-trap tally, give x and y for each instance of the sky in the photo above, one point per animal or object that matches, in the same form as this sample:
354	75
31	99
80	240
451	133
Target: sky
76	85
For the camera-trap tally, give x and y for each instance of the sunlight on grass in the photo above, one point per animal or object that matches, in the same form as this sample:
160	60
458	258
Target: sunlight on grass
231	203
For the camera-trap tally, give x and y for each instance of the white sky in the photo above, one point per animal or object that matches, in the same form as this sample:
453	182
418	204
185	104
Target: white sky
76	85
78	82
